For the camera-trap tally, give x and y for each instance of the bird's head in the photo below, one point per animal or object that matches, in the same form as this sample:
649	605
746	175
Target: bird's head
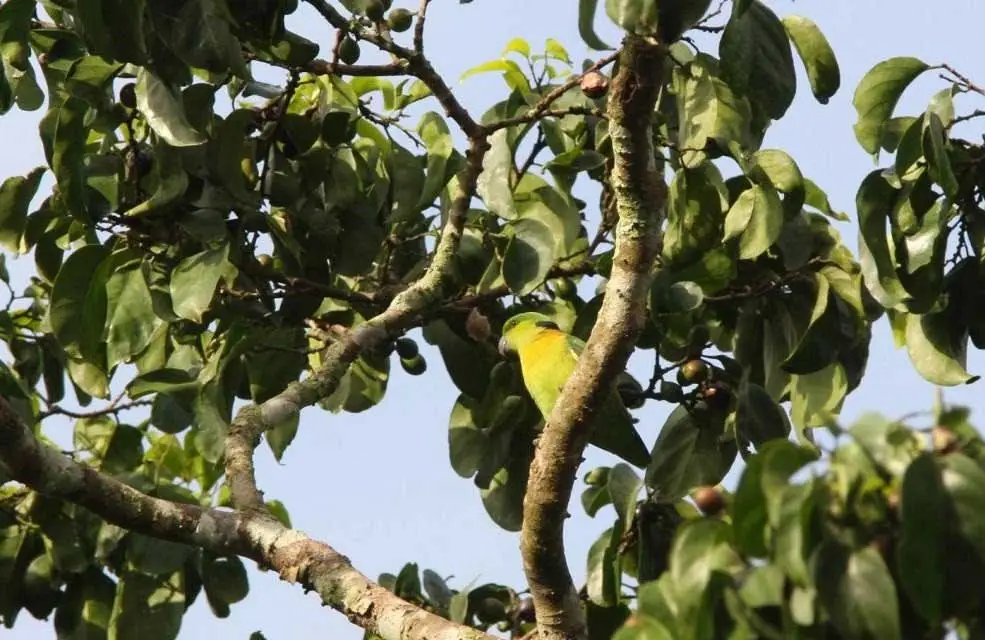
521	329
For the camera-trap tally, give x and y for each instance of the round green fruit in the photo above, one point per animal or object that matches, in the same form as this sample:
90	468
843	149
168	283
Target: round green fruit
414	366
407	348
565	288
349	51
400	20
375	10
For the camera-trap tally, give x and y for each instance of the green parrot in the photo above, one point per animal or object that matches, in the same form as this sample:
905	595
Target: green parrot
547	358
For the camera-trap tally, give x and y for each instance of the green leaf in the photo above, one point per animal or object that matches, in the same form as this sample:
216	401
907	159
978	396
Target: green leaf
494	184
815	398
16	194
781	170
68	151
436	588
161	381
280	436
467	362
467	443
935	149
203	38
89	78
169	179
78	302
153	556
130	317
634	16
962	479
276	361
759	418
694	215
891	445
857	591
674	298
147	607
194	280
937	347
690	451
756	59
624	486
512	73
708	109
701	549
529	255
586	25
503	499
164	111
920	555
602	581
440	168
875	199
228	152
756	219
816	54
877	94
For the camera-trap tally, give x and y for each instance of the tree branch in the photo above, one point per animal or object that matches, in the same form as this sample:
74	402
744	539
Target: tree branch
296	557
638	184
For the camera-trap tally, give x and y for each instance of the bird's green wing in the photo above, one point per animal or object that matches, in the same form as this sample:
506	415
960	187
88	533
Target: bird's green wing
615	432
576	345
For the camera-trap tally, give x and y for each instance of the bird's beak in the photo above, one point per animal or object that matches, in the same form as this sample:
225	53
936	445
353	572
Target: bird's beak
505	349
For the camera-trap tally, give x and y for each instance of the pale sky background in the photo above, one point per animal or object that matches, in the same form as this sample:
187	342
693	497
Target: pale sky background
377	486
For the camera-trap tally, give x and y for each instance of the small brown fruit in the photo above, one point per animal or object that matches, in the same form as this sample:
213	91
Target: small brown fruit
594	84
710	500
694	371
717	395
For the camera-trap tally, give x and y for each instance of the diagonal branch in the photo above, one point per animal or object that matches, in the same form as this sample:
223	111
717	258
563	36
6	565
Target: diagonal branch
295	556
640	191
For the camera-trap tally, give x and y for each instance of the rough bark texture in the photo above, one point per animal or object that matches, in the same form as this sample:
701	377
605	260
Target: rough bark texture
640	193
296	557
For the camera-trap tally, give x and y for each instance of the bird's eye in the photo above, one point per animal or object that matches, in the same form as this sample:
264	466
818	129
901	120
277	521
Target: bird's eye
547	324
506	349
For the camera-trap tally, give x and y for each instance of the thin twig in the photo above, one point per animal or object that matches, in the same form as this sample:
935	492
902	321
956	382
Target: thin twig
419	26
962	80
544	104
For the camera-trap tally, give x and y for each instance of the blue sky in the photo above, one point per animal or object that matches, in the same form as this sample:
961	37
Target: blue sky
378	486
